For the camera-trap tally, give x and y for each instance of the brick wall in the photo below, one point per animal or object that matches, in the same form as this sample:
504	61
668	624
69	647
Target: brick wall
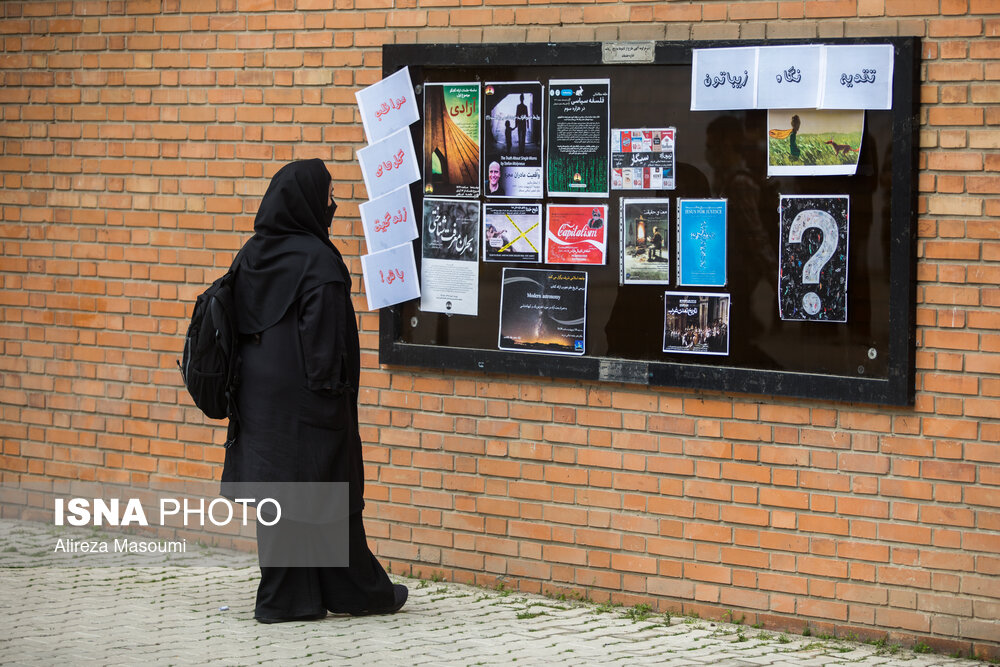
137	137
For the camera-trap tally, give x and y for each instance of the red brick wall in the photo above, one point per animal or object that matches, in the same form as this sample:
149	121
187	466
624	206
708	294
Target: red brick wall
137	139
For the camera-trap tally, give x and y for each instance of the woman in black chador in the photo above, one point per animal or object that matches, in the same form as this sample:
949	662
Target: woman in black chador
297	396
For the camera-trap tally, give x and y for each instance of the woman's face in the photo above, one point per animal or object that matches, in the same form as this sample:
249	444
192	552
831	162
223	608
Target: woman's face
329	199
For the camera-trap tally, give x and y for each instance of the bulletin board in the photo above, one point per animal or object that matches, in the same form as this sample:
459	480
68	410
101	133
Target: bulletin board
868	358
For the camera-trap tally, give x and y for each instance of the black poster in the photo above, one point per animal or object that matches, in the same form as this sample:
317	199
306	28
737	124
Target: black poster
812	274
543	311
512	140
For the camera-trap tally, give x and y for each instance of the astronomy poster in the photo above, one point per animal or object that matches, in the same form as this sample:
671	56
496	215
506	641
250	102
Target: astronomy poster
810	142
512	233
450	257
576	234
512	141
696	323
451	139
578	137
645	245
543	311
812	270
642	159
701	242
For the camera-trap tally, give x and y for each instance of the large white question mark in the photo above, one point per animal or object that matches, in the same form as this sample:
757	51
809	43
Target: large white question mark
824	222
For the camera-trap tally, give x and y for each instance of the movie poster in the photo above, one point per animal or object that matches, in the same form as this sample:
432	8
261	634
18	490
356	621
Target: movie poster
512	143
576	234
578	137
512	233
450	257
451	139
543	311
701	242
807	142
642	159
696	323
645	246
812	271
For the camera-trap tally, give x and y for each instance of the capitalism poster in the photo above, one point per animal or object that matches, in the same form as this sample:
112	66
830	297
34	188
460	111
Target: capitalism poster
450	257
576	234
578	137
543	311
451	139
512	143
512	232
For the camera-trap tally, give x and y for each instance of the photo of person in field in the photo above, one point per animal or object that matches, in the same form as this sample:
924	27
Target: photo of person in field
810	142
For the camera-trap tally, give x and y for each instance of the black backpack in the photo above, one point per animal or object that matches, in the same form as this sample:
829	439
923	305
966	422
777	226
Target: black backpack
211	362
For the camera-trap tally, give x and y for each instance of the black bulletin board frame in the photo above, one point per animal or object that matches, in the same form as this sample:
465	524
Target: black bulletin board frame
892	385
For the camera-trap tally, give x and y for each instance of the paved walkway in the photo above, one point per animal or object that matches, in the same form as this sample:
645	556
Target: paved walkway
169	613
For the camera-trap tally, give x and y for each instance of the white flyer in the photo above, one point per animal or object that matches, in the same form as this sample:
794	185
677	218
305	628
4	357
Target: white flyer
389	164
724	79
857	77
390	276
387	106
389	220
788	77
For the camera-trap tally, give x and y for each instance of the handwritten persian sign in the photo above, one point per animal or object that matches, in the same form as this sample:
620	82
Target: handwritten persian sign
858	77
387	106
724	79
390	276
389	164
788	77
389	220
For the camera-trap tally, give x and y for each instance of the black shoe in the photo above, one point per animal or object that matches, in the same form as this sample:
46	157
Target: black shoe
399	592
307	617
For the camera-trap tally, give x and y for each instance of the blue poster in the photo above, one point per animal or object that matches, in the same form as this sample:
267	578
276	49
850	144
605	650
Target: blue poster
701	242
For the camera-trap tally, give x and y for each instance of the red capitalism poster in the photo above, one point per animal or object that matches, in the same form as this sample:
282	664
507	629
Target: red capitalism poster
576	234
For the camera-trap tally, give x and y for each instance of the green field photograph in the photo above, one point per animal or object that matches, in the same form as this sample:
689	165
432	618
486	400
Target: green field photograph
813	142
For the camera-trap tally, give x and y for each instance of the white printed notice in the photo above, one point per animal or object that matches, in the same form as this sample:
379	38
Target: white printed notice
857	77
390	276
450	256
389	220
387	106
724	79
788	77
389	164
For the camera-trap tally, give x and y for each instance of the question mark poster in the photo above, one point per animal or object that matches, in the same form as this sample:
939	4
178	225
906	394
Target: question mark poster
812	271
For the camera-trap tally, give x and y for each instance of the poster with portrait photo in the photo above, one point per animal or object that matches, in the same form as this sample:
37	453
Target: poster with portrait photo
450	257
576	234
543	311
512	232
642	159
512	140
696	323
451	139
812	269
644	226
578	137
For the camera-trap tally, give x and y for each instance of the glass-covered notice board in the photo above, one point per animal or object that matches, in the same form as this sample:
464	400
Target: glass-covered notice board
620	236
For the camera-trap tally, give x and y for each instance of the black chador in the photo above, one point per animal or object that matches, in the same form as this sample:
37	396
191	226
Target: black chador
297	397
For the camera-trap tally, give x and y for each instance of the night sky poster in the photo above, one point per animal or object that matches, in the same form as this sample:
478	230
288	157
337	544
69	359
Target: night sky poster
812	272
578	137
543	311
512	141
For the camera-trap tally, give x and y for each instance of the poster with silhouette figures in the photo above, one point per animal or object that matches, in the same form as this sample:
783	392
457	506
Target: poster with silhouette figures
645	245
812	270
807	142
512	232
543	311
452	117
450	257
576	234
642	159
696	323
512	141
578	137
701	242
